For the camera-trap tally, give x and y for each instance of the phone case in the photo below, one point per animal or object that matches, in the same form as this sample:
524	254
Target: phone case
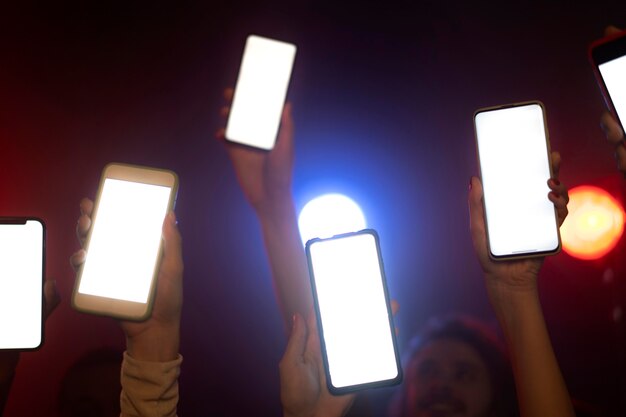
110	307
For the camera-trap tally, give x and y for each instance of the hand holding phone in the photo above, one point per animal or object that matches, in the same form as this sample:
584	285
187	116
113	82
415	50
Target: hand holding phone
353	312
514	159
264	177
260	92
303	388
124	243
157	338
510	271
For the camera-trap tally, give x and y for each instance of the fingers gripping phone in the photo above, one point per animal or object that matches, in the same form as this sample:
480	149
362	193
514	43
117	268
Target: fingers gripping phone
260	92
124	243
353	311
608	57
514	160
22	267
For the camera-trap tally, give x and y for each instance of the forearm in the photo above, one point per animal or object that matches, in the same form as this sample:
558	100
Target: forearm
287	259
540	386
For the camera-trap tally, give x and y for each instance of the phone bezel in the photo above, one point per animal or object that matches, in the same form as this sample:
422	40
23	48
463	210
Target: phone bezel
374	384
521	255
601	51
227	133
23	220
123	309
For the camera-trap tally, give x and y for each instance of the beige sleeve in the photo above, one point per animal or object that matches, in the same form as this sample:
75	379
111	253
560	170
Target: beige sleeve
149	389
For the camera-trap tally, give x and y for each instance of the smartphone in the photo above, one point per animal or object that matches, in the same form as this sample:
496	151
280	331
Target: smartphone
608	57
22	268
354	317
260	92
124	243
515	165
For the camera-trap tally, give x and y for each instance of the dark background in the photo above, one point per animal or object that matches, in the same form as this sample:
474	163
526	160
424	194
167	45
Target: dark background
383	97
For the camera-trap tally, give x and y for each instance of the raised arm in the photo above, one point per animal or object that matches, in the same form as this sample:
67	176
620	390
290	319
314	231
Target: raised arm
265	178
151	363
512	290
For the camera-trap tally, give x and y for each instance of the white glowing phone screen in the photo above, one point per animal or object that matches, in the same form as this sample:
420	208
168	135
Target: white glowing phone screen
353	310
515	168
125	241
260	92
21	284
614	75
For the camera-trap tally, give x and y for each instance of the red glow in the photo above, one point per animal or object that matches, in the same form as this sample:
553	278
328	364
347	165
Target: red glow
594	225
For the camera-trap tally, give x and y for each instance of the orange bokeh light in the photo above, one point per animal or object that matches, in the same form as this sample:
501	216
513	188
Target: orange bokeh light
594	225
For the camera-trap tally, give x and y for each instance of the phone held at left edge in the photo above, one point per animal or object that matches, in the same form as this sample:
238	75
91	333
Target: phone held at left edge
124	243
22	267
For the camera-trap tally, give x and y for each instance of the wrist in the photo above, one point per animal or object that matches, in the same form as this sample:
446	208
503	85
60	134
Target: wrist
513	302
161	344
511	283
506	290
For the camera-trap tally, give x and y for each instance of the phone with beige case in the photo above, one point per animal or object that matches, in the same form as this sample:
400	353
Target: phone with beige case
124	244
